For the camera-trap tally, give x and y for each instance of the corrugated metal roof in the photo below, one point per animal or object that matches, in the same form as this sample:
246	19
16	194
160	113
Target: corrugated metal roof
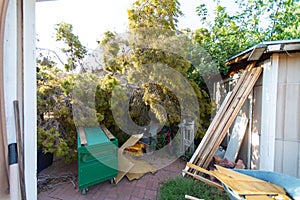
268	49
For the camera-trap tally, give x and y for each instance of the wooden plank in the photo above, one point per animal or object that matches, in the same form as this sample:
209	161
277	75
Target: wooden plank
222	111
200	169
20	145
220	116
236	138
191	197
139	169
229	118
236	108
131	141
109	135
249	187
83	140
257	197
207	136
236	175
265	197
124	164
205	180
243	184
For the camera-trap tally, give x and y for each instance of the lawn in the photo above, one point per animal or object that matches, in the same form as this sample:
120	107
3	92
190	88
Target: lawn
177	188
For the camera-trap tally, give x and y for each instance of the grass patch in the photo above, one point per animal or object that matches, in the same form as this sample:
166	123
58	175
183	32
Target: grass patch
177	188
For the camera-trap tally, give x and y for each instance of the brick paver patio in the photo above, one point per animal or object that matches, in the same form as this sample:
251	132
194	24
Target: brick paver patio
146	187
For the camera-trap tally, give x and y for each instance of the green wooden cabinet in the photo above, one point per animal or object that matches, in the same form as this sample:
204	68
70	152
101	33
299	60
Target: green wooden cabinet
98	160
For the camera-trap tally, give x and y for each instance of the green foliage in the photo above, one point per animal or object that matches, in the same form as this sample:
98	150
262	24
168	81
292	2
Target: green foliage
154	13
74	50
178	187
156	42
255	21
56	131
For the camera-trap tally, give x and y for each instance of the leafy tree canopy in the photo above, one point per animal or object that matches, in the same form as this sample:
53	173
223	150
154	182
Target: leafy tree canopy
254	22
74	50
154	13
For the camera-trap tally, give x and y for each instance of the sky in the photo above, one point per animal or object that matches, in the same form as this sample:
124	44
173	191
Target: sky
91	18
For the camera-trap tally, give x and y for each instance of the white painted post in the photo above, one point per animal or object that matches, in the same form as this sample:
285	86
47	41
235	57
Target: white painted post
30	145
268	119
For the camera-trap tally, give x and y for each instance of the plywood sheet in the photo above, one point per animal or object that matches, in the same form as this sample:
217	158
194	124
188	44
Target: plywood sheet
139	169
131	141
258	197
244	185
236	138
125	164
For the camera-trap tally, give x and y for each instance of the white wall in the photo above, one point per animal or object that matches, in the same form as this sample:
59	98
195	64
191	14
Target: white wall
256	124
10	86
268	118
20	84
10	68
288	116
30	99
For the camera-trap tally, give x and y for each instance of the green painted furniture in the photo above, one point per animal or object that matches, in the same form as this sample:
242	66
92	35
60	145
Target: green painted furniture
98	159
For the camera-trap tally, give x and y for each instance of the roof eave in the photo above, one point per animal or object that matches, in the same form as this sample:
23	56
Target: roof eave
270	47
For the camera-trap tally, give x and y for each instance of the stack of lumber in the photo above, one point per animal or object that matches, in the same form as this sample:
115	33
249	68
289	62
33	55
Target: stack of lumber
224	118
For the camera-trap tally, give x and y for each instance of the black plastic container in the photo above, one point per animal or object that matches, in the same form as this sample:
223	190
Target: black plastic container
43	160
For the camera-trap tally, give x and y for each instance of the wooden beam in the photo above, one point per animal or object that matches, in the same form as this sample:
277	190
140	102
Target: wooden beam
258	197
207	136
210	133
20	145
200	169
205	180
107	133
191	197
83	140
230	117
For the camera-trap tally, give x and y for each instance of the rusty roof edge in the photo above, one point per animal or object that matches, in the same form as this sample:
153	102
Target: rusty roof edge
281	42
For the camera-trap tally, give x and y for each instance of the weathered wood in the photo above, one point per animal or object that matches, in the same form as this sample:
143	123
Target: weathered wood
240	183
232	115
200	169
124	164
83	140
191	197
229	118
207	136
109	135
244	185
20	146
257	197
236	138
225	105
205	180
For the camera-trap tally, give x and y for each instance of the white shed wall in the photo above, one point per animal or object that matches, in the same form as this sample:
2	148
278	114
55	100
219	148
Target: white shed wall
268	115
287	140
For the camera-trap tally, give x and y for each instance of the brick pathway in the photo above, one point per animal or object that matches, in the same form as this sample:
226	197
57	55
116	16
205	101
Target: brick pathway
145	188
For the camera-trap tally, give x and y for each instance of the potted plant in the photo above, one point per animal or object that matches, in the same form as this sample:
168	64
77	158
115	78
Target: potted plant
45	148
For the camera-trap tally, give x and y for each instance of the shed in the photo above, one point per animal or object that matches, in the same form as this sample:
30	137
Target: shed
272	141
